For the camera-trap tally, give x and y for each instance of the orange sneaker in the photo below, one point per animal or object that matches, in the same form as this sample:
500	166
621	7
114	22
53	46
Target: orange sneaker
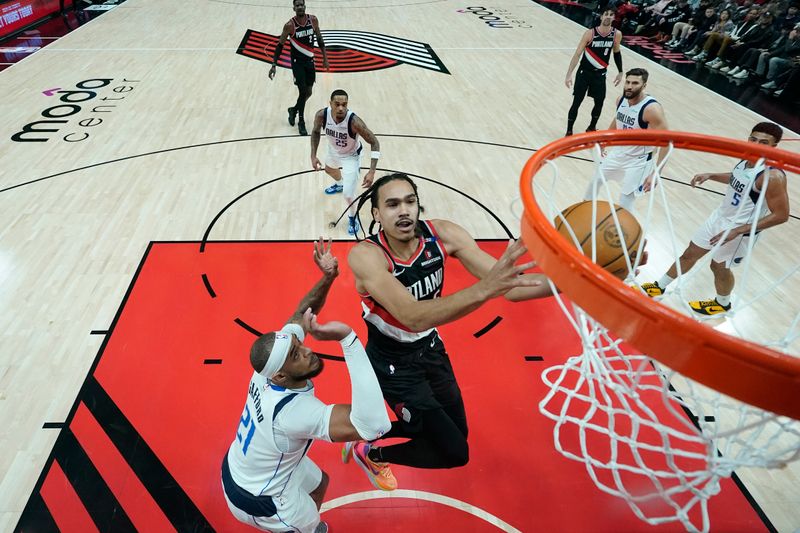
379	474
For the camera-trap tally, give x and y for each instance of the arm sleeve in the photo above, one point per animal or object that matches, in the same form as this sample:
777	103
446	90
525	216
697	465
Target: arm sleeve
618	60
368	412
305	417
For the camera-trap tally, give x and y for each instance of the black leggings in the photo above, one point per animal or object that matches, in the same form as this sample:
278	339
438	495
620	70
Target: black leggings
441	442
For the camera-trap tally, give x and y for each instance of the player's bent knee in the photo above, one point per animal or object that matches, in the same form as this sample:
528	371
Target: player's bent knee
458	455
373	433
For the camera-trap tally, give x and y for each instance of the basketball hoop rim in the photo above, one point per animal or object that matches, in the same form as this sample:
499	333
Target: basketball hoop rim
744	370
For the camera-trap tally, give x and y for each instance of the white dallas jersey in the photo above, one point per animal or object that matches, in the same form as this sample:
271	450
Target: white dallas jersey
269	444
631	117
741	196
341	137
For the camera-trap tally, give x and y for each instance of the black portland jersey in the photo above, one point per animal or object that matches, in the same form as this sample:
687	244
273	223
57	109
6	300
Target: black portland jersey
422	276
598	51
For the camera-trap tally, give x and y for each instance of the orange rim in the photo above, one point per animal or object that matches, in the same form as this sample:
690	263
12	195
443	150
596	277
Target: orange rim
744	370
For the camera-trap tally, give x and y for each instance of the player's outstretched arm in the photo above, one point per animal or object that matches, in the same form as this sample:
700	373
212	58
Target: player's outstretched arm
372	276
315	298
316	133
462	246
721	177
287	28
361	128
365	418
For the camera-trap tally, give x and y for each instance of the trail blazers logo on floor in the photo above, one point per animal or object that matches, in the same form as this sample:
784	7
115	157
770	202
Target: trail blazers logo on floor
349	51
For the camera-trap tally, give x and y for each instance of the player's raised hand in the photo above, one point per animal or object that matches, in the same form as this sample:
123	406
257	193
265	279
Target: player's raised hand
328	331
324	259
506	274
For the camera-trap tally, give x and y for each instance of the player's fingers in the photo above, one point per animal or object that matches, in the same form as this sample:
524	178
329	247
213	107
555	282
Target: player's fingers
525	266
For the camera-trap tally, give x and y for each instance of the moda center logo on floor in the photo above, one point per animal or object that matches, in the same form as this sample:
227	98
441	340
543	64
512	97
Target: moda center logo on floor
78	111
496	17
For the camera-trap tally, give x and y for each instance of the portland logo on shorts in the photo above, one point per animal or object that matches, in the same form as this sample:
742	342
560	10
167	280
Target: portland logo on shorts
349	51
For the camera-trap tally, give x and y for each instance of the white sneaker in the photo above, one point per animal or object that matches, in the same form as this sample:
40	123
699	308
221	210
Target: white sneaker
742	75
768	85
728	70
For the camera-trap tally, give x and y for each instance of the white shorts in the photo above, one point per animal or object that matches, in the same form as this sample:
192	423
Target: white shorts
732	252
630	172
296	510
350	165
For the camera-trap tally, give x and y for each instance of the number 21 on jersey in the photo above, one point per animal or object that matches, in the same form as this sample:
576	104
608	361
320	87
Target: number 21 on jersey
246	424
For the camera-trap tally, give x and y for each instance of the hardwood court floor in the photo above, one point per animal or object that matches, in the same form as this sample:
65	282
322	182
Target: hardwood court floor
179	126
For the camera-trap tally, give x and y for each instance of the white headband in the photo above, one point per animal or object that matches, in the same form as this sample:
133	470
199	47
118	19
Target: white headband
280	349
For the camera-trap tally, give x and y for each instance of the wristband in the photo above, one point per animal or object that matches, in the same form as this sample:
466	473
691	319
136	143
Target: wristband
375	155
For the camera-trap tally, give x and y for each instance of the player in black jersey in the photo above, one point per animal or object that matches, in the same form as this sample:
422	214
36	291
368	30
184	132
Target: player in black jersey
594	52
399	273
301	31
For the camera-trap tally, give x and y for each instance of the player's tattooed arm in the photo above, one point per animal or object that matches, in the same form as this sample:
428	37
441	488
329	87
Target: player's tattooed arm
315	136
361	128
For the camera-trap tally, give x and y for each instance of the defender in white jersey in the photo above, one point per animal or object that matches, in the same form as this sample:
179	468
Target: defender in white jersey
742	213
343	162
268	480
633	166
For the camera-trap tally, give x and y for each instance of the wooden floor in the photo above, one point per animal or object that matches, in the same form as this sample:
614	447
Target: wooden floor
187	126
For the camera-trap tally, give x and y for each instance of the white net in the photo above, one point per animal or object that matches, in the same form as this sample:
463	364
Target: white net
645	433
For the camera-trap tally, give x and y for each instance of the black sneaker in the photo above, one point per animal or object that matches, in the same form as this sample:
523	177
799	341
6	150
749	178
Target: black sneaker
301	127
292	114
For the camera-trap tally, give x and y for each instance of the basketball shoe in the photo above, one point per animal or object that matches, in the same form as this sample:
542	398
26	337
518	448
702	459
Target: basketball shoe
322	527
353	226
333	189
379	474
301	127
709	307
652	289
292	114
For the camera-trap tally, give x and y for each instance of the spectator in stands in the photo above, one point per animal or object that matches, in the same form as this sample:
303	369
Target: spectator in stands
650	15
722	40
679	13
684	33
790	92
761	37
756	60
782	63
722	28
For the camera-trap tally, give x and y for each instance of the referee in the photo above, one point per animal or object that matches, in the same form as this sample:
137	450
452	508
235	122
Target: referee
594	51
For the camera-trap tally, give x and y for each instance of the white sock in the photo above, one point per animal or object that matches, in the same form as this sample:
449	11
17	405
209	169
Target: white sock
664	281
724	300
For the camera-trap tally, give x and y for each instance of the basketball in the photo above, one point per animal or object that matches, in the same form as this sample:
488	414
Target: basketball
610	252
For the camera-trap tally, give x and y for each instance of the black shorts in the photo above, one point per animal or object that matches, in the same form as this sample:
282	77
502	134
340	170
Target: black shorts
593	81
303	71
413	376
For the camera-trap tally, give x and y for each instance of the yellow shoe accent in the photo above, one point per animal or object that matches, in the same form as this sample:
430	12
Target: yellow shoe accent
709	307
652	289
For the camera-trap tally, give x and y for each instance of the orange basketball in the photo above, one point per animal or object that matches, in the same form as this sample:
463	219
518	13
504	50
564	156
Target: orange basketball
610	253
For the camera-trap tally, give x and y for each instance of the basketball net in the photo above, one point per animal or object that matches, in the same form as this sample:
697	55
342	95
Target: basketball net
646	433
